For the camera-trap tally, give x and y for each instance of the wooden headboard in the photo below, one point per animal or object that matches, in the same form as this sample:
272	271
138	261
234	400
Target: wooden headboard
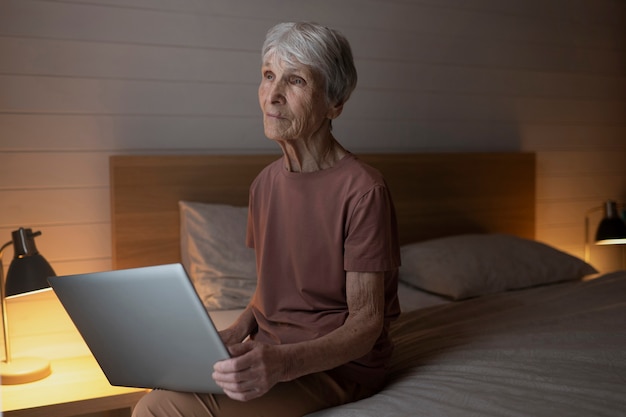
435	194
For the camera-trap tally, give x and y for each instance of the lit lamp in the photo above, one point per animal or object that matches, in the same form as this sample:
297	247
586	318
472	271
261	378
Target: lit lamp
611	230
28	272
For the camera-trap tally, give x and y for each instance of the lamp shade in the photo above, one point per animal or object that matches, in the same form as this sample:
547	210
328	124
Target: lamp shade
612	229
29	271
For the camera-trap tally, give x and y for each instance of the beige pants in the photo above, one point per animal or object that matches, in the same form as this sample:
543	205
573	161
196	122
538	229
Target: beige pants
294	399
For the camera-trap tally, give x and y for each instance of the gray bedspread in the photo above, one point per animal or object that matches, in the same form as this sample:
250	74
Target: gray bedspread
557	350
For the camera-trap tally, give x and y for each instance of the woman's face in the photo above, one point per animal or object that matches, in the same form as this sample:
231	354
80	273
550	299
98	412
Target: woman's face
293	102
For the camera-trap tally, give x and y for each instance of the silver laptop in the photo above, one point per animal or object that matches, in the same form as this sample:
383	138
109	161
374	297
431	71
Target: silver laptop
146	327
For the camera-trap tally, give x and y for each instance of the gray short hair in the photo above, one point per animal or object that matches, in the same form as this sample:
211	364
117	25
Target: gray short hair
322	49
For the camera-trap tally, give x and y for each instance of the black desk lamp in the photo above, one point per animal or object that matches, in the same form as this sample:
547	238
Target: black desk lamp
28	272
611	230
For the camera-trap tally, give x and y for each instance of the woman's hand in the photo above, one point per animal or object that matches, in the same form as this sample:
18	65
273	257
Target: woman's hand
252	371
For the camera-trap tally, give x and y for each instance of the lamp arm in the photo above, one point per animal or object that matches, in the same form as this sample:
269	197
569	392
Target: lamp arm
587	244
587	237
3	303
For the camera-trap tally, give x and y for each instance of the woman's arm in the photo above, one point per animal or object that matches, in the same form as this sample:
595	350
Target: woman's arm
243	327
256	367
355	338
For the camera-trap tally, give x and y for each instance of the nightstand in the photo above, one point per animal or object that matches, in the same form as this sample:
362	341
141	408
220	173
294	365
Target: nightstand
40	327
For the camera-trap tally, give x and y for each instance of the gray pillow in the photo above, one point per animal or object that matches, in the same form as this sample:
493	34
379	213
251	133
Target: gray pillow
466	266
213	251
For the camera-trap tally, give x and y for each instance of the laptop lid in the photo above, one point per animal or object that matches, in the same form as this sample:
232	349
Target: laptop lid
146	327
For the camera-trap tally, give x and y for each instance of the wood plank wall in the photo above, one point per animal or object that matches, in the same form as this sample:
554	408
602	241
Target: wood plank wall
83	79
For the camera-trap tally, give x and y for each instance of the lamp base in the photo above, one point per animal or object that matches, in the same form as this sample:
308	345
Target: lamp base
23	370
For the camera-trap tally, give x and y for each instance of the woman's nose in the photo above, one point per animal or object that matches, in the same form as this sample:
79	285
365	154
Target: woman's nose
277	92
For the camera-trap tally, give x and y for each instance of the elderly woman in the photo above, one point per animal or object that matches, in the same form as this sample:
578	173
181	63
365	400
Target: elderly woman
322	224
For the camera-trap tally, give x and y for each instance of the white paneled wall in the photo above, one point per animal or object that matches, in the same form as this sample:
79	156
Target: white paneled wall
84	79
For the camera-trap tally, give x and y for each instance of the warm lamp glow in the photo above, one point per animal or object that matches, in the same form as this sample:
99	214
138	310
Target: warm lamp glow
621	241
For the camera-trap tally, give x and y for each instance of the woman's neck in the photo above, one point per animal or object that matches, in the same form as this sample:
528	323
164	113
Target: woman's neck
305	156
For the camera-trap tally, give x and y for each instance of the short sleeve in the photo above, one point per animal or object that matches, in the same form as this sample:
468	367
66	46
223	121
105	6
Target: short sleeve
371	243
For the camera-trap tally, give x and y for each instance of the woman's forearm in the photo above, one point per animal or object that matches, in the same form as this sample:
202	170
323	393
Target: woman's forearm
243	327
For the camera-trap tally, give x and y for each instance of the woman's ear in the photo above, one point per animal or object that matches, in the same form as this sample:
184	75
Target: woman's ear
334	111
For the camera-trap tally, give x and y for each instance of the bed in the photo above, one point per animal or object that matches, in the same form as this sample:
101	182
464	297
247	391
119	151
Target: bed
494	323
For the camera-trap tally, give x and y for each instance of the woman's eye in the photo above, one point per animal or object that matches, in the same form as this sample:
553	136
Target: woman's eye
268	76
297	81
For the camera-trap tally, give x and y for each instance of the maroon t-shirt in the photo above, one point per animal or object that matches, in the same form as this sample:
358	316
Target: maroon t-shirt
307	230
